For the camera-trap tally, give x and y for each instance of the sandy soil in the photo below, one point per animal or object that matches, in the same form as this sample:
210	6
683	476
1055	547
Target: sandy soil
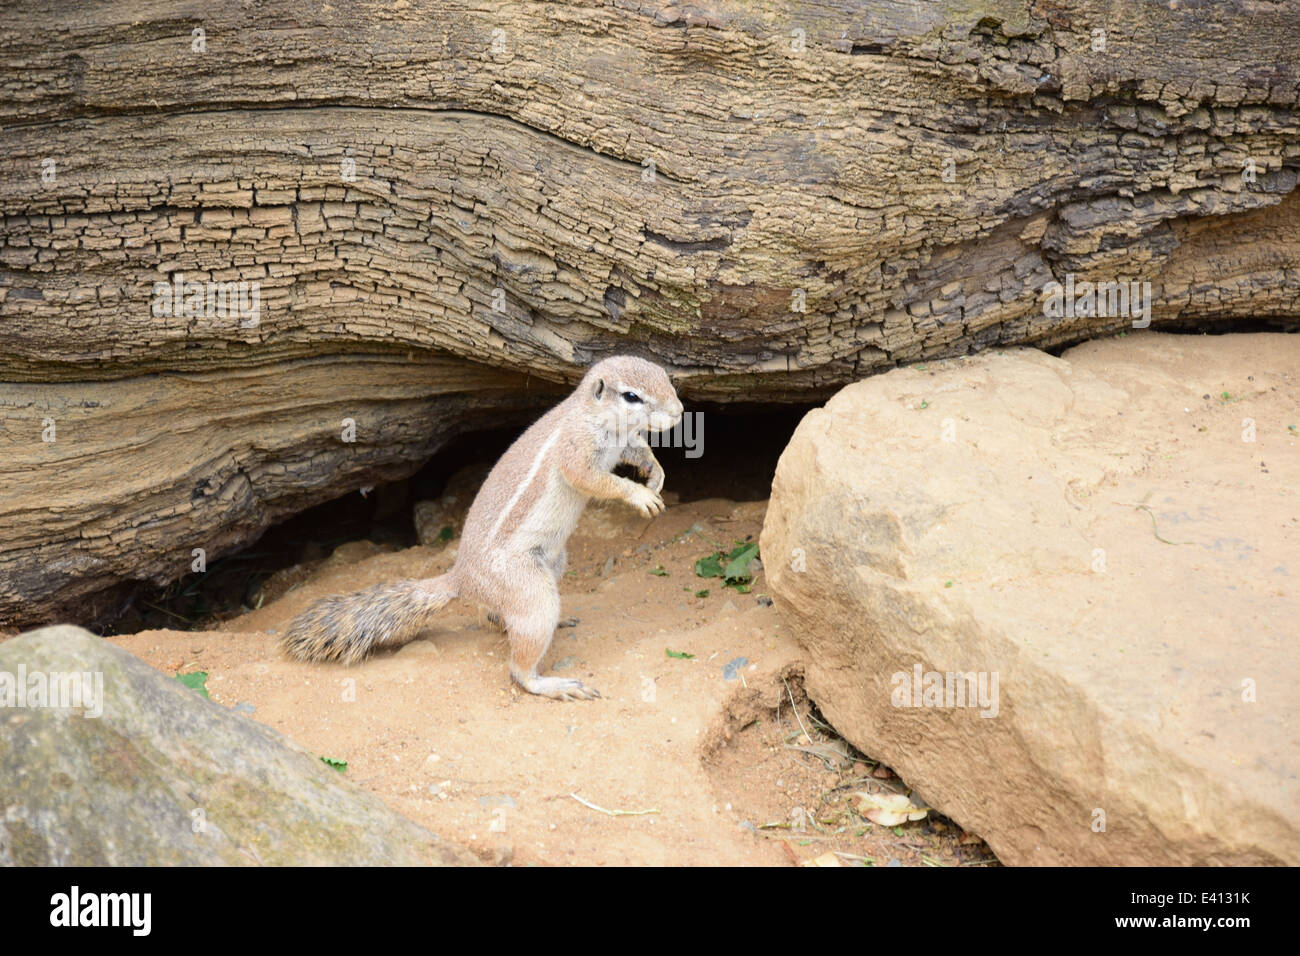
438	730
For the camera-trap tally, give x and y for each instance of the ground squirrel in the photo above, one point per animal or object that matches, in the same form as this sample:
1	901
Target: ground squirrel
512	553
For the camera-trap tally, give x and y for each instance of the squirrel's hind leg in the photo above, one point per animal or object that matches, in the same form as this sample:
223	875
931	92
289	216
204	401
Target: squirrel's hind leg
531	626
557	567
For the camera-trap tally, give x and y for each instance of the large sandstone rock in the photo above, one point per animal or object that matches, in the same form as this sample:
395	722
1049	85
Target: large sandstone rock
1113	534
771	198
163	777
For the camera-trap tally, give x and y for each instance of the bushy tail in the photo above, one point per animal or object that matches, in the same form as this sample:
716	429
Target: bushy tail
348	627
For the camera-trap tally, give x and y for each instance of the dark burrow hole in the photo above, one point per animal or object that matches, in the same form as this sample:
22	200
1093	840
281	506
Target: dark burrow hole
739	448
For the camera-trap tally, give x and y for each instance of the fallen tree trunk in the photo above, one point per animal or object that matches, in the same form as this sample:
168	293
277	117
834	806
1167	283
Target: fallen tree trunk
770	202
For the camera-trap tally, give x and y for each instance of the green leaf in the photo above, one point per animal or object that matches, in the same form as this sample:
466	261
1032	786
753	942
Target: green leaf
732	566
679	655
738	564
702	593
340	765
709	566
195	680
658	571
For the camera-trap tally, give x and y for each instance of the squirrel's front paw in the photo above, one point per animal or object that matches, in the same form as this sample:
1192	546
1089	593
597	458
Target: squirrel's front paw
645	501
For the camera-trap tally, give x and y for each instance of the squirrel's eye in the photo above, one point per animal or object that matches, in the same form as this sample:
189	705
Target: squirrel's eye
632	398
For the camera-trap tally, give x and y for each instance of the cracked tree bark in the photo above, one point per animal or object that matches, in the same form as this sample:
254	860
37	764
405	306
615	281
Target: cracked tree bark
449	209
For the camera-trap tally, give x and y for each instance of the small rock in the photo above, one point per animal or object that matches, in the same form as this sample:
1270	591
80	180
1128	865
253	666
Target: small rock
731	670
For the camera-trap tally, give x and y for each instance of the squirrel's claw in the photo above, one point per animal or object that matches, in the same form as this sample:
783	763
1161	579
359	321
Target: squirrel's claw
559	688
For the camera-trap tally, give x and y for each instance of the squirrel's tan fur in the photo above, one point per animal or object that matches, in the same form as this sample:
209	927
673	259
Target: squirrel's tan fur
512	549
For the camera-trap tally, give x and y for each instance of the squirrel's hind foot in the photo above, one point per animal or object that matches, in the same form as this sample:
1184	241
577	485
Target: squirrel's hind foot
559	688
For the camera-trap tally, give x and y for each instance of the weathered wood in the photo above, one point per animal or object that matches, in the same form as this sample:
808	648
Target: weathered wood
142	472
914	172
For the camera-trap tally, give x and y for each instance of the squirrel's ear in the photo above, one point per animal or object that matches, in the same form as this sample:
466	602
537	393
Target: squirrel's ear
598	389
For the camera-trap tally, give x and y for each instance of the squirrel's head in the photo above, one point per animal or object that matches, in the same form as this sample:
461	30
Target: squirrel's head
636	394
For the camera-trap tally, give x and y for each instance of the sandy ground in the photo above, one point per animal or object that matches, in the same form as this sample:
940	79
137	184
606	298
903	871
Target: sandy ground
438	730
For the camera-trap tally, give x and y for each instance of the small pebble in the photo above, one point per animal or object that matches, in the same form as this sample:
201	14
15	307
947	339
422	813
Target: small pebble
732	668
